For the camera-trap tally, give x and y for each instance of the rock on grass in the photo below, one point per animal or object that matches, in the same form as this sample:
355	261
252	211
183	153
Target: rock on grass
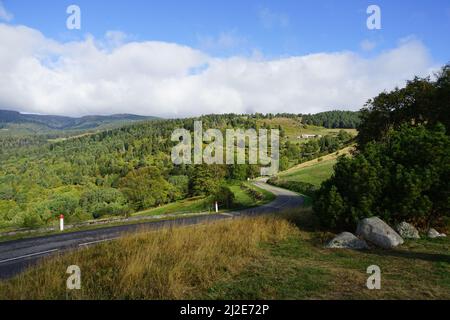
379	233
347	240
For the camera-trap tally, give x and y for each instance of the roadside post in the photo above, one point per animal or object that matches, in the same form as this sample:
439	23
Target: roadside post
217	207
61	222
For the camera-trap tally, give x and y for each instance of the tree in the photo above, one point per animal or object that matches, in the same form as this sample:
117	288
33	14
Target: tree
181	184
405	177
146	187
224	197
206	179
104	201
238	172
422	101
333	119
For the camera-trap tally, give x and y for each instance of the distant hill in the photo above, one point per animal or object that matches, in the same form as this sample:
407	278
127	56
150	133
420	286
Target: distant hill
33	123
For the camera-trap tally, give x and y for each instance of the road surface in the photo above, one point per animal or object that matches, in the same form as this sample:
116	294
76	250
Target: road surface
17	255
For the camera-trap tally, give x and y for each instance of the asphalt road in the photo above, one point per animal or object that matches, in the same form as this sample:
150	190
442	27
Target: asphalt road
17	255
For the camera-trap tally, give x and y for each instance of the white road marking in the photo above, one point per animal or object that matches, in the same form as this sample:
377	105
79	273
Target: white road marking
97	241
28	255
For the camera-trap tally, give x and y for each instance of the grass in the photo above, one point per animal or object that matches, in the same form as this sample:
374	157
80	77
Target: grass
165	264
294	128
314	175
252	258
315	171
243	200
301	268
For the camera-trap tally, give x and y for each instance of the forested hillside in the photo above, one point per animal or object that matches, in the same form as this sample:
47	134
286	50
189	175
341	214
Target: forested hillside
124	170
13	123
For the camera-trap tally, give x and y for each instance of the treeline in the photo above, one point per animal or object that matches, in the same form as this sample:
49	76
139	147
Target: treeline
336	119
401	170
333	119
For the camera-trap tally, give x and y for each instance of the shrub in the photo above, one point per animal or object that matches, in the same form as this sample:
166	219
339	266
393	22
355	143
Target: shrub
104	201
405	177
255	194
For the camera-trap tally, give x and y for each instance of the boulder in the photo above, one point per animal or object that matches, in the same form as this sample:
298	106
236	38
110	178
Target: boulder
433	233
407	231
347	240
378	232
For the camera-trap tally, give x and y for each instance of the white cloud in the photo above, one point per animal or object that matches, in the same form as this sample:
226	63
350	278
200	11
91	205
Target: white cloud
271	19
41	75
4	14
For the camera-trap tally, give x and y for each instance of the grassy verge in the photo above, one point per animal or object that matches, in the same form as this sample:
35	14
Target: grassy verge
253	258
244	200
315	174
165	264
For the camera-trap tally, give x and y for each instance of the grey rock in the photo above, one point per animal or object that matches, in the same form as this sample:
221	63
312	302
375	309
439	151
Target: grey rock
347	240
378	232
407	231
433	233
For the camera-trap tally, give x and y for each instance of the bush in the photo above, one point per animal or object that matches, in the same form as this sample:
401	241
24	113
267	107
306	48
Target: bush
181	184
255	194
404	178
30	220
104	201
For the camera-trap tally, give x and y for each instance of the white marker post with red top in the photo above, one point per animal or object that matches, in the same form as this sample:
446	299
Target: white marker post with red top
61	222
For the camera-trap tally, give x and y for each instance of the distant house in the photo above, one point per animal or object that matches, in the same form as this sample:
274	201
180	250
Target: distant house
309	136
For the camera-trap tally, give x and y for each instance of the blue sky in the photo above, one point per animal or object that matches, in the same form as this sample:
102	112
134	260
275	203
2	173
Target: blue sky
276	28
179	58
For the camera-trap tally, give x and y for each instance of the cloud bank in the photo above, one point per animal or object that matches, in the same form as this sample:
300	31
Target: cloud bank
4	14
106	76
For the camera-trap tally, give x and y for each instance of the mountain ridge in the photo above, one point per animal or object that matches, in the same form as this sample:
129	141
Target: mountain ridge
56	122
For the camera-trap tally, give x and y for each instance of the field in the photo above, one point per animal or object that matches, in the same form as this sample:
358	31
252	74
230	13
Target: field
315	171
315	174
252	258
294	128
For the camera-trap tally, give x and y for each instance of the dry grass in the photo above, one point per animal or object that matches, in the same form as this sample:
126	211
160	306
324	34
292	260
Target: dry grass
280	257
327	158
165	264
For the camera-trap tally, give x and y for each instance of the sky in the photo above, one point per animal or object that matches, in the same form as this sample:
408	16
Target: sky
183	58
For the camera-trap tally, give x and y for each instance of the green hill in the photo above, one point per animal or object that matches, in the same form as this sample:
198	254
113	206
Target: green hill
13	122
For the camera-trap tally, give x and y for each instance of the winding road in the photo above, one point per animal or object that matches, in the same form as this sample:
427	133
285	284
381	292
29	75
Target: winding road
17	255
